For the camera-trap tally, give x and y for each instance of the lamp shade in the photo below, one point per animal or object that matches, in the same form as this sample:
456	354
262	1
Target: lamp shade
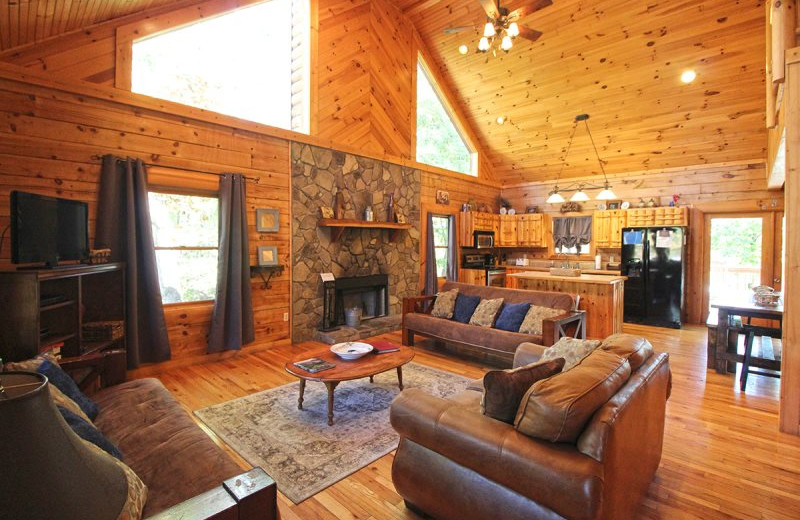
579	196
606	194
555	198
47	470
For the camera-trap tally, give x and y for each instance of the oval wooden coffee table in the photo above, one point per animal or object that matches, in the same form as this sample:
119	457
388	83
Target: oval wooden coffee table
369	365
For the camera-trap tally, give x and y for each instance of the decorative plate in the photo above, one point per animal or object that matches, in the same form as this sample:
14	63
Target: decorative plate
503	211
601	206
351	350
625	205
512	211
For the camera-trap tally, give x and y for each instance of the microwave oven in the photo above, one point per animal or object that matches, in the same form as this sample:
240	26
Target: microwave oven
483	239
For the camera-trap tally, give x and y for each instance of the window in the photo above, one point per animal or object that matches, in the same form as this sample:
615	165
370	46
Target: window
251	63
580	249
572	235
185	232
439	142
441	239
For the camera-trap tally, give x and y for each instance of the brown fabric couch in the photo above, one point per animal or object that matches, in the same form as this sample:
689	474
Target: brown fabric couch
417	320
186	473
455	463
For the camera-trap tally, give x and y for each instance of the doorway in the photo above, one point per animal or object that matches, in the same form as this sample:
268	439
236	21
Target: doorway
742	251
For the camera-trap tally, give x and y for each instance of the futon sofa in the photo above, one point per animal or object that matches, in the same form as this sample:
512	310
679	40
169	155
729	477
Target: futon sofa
455	463
187	475
418	321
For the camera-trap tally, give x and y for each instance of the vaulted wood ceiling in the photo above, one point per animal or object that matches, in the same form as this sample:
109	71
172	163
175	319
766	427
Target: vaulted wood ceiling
617	60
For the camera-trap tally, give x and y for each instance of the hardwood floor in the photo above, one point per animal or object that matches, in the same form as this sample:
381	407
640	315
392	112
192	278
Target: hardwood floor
723	455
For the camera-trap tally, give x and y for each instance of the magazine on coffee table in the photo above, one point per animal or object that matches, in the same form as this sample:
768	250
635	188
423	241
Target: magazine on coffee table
314	365
384	347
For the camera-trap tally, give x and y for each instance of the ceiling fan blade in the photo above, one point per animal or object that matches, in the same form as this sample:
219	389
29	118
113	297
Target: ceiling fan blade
528	9
455	30
529	34
491	8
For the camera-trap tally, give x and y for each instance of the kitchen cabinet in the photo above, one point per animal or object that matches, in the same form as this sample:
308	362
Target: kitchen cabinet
531	230
607	227
508	231
668	216
476	221
472	276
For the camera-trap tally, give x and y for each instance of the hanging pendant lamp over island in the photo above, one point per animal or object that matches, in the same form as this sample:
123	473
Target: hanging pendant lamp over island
556	197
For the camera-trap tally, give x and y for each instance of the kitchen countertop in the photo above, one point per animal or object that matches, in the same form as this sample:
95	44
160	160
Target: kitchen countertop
598	279
605	272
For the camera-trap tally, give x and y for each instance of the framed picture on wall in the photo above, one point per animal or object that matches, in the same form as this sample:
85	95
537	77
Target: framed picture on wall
267	220
267	255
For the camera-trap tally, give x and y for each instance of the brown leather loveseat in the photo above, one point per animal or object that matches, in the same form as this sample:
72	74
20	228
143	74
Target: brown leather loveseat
453	462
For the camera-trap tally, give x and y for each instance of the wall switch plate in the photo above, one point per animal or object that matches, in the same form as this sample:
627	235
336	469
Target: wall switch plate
285	316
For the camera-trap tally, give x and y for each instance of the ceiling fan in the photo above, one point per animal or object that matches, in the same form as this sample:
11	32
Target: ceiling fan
501	25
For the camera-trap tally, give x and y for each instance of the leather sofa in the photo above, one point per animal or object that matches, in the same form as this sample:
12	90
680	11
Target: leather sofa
453	462
418	321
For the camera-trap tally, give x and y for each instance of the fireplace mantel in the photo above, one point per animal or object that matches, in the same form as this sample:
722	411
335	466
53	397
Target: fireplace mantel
338	226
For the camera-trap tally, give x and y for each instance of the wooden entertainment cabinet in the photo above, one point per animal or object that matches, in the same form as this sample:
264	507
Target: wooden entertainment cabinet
43	307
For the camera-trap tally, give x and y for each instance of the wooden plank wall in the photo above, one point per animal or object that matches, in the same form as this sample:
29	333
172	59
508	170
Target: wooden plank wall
48	138
722	188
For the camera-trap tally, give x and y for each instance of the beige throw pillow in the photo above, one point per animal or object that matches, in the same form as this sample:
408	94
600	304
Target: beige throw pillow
572	350
486	312
445	304
532	324
557	409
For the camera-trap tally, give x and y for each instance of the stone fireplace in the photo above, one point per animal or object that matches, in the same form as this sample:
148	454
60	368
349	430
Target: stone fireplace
364	254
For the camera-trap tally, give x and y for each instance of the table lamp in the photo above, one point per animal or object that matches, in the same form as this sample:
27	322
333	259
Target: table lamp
46	470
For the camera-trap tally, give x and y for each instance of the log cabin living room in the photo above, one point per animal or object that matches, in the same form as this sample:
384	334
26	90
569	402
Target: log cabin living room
373	259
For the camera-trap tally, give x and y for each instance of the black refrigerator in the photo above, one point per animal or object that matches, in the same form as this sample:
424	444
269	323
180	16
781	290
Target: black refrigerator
654	260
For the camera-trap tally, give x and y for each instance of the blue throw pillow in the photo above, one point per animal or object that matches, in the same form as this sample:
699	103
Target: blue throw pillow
465	307
89	433
63	382
511	316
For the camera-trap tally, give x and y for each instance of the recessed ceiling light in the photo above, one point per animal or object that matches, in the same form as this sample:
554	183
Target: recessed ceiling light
501	120
688	76
463	49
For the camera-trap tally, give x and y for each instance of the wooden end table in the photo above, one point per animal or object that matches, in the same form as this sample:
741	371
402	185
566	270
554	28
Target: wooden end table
369	365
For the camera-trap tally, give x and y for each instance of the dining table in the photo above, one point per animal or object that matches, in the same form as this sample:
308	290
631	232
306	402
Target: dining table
725	355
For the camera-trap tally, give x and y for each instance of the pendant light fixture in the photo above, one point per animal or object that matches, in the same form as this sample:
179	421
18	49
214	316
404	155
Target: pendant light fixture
555	196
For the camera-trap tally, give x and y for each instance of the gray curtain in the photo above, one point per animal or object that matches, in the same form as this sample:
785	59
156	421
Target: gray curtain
232	320
571	231
123	225
431	282
452	249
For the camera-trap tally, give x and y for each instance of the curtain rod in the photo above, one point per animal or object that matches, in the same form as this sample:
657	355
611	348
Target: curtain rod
257	180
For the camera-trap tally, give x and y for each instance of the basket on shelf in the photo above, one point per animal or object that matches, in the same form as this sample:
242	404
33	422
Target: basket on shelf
103	330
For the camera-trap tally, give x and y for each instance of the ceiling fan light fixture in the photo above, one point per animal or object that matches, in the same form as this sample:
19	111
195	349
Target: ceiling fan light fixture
555	197
506	44
488	30
483	45
579	196
606	193
513	30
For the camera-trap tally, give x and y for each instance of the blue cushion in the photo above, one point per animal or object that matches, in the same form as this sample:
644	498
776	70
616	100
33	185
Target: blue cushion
512	316
465	307
63	382
88	432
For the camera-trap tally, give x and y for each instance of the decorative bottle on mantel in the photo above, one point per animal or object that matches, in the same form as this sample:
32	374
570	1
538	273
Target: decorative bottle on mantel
390	208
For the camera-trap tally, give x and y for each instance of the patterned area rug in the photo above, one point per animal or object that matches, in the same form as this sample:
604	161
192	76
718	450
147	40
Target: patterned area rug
297	447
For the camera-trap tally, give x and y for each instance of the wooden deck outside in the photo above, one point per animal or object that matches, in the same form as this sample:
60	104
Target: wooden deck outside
723	455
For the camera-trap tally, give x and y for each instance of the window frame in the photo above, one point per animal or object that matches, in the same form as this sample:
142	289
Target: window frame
201	191
444	99
126	35
446	247
585	257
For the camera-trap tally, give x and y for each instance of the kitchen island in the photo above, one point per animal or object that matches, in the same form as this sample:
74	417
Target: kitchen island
601	296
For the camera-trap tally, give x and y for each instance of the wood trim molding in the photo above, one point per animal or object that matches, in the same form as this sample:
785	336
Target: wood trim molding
24	77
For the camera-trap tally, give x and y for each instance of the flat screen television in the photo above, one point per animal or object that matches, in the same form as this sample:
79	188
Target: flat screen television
47	230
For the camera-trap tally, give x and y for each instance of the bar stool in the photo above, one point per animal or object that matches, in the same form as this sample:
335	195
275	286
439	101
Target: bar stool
750	332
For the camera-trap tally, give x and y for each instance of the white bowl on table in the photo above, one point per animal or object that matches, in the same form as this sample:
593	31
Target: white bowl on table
351	350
